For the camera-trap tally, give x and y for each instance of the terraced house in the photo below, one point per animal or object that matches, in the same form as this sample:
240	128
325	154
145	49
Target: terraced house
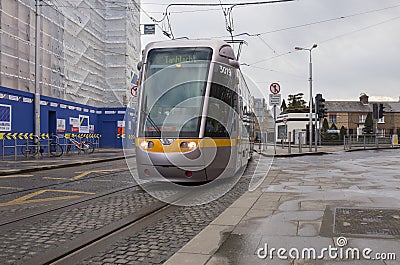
352	115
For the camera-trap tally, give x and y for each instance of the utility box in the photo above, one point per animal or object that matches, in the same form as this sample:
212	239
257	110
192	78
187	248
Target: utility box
302	138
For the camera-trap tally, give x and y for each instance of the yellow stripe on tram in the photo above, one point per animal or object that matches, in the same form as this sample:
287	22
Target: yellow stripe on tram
175	146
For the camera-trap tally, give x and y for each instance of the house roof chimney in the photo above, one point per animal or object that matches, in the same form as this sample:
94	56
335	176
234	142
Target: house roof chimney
364	98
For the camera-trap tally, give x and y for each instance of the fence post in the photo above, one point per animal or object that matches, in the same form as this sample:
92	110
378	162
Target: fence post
15	148
290	142
2	155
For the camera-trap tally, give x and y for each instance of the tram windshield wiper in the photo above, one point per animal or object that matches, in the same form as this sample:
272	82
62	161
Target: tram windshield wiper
151	121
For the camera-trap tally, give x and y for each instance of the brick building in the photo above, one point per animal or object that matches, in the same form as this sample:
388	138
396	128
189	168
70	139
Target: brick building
352	115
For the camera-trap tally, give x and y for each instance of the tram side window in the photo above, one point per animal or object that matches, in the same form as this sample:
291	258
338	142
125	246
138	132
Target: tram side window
222	111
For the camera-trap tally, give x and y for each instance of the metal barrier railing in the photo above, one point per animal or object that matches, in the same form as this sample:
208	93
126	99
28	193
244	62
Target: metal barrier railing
35	146
365	141
4	147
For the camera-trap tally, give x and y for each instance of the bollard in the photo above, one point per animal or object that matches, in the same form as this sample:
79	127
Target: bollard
299	142
350	139
290	142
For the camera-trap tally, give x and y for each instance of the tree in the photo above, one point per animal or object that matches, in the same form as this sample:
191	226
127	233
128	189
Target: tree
325	125
324	129
343	132
283	106
296	102
369	124
333	127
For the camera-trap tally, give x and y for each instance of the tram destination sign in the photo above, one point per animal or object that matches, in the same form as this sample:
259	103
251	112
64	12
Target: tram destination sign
274	99
179	56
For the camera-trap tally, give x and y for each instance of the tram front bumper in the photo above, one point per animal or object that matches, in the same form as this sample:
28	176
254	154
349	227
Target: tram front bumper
171	173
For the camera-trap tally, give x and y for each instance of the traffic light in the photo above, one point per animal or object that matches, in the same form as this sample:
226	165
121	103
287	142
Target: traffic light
375	111
320	106
380	112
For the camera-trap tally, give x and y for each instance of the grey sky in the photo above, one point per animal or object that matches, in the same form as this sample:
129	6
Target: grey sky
358	53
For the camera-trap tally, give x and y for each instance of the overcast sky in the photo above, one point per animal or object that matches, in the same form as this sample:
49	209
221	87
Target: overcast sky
358	47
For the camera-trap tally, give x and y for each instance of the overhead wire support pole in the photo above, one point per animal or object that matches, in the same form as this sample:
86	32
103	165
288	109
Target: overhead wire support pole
310	129
37	71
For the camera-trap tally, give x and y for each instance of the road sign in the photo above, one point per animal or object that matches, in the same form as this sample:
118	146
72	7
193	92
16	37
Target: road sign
275	88
149	29
274	99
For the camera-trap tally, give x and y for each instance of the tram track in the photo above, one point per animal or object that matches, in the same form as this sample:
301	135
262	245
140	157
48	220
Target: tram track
63	182
71	241
47	211
75	250
85	230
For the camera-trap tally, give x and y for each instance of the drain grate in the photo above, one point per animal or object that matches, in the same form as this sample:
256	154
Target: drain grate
367	221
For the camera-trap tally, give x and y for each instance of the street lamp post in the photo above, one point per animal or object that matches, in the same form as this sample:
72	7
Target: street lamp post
310	130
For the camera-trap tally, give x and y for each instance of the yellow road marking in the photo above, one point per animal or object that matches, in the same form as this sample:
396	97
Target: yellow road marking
10	188
56	178
26	198
85	173
15	176
102	180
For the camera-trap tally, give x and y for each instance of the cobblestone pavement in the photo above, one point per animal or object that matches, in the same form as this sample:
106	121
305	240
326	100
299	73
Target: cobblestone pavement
29	239
157	242
92	183
23	241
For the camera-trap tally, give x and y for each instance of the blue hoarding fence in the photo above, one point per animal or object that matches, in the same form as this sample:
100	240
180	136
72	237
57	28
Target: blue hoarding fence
64	118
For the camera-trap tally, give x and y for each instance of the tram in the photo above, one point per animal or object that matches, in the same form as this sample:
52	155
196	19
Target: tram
195	112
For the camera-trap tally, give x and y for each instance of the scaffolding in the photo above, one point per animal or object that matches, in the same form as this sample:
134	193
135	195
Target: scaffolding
87	52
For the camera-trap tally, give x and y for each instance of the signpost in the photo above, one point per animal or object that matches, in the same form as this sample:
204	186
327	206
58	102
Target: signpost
275	88
274	100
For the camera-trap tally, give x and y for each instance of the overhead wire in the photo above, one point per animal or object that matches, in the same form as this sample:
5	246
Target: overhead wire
227	13
331	39
315	22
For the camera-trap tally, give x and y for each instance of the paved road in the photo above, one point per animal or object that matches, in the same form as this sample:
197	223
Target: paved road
47	212
311	201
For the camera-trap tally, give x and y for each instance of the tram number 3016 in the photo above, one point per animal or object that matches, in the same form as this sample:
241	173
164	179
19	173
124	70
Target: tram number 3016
225	70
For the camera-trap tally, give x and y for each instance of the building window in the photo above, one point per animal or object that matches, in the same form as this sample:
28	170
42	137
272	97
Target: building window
382	120
332	118
362	118
282	132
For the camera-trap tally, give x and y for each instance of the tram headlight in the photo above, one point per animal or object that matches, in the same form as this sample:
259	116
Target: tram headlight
147	145
187	146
